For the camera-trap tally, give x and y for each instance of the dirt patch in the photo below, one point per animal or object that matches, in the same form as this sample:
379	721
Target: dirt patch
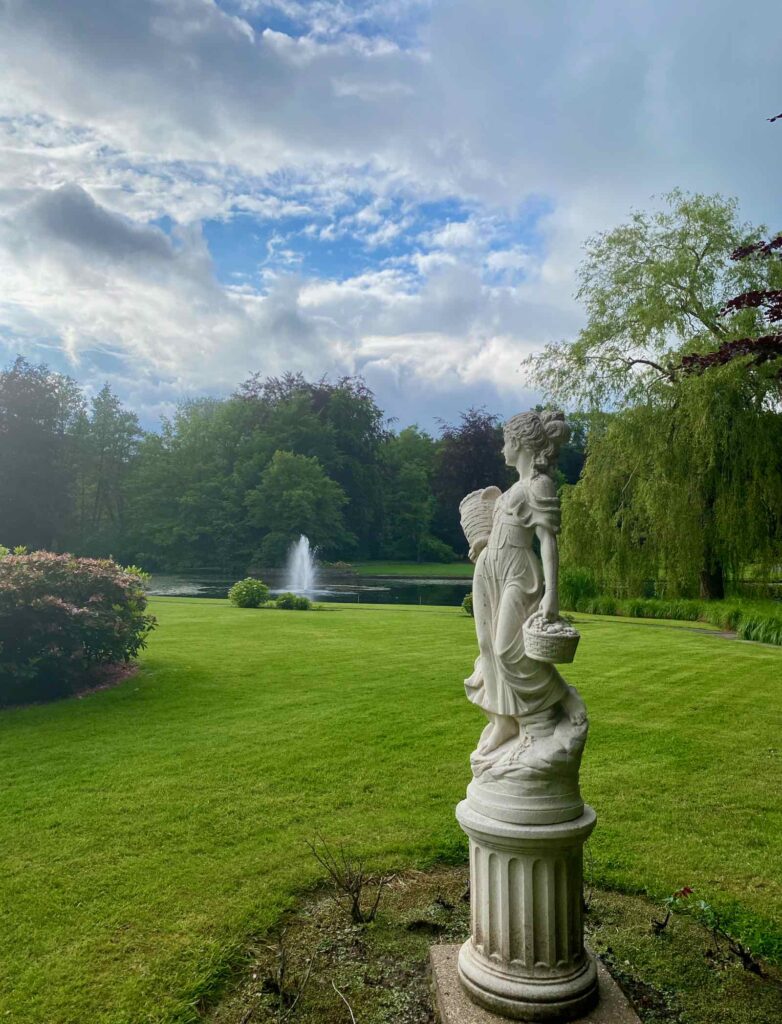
319	968
105	677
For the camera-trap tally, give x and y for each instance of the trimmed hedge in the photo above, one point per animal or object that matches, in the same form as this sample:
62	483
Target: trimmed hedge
60	617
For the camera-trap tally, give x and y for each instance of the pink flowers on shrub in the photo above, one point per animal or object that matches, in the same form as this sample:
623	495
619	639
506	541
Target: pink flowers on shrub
60	616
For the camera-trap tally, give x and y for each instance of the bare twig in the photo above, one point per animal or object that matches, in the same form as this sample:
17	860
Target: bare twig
303	985
287	988
349	877
344	1000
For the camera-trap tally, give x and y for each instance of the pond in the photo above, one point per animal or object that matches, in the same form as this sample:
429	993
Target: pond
354	589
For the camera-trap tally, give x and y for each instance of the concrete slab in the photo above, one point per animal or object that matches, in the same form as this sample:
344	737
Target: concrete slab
454	1007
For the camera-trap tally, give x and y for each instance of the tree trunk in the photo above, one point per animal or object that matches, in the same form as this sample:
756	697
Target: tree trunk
712	581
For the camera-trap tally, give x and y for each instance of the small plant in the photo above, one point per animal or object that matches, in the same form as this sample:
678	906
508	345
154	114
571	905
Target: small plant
349	879
248	593
467	605
293	602
707	917
671	903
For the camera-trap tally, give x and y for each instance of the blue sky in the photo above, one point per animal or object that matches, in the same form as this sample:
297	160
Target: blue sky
192	191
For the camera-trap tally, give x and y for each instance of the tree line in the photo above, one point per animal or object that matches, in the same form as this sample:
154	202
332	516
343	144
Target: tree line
231	482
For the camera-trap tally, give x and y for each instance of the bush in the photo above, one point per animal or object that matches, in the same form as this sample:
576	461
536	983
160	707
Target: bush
294	602
432	549
763	629
467	604
248	593
62	616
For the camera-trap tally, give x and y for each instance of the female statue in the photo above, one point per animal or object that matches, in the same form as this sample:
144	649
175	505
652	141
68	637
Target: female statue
537	722
523	812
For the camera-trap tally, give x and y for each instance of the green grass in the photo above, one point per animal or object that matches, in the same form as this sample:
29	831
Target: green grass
435	570
146	831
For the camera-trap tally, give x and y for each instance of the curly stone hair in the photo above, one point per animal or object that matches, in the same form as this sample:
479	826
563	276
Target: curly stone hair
541	433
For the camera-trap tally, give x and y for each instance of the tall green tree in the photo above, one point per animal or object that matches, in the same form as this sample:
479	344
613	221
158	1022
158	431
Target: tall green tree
341	425
188	486
39	411
294	497
469	456
682	481
408	501
107	442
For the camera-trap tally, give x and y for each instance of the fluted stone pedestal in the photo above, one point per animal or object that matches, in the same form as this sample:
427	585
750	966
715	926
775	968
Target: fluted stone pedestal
525	958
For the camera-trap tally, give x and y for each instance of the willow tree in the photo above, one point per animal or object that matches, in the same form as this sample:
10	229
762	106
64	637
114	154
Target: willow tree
683	479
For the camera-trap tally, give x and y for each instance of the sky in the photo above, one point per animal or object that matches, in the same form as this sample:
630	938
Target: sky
195	190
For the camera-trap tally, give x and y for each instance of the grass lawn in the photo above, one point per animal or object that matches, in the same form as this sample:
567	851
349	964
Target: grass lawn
434	570
146	831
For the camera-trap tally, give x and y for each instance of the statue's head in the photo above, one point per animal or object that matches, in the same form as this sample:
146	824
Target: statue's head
540	433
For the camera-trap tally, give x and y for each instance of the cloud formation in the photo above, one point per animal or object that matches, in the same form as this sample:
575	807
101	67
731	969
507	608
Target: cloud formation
190	191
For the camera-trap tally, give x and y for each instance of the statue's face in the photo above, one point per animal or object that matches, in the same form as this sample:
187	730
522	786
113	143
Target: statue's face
510	452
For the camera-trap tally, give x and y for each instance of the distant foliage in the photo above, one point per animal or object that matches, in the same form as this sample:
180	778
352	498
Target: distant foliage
432	549
576	585
248	593
467	605
61	616
294	602
342	567
469	456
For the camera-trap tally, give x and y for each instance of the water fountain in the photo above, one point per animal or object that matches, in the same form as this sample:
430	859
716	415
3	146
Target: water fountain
300	572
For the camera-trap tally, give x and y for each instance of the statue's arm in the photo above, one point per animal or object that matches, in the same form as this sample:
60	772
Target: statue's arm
476	547
549	556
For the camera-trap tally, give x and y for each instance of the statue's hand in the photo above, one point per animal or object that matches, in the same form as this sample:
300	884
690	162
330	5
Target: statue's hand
476	548
550	607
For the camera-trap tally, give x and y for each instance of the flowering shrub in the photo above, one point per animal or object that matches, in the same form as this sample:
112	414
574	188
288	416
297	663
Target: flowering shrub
249	593
61	616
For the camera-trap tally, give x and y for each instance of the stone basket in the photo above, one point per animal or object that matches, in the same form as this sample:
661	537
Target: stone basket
556	644
476	511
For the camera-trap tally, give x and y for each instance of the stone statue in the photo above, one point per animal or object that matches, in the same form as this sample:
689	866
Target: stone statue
527	760
524	814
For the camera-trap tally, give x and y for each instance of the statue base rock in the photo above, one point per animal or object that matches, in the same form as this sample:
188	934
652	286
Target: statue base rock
525	958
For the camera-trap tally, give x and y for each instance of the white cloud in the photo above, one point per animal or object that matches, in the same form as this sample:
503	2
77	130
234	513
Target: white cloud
456	235
118	115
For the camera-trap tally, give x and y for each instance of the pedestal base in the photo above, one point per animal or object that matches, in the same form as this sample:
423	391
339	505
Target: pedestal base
453	1006
525	958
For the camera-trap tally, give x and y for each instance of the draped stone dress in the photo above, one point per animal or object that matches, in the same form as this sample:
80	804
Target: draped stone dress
507	589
